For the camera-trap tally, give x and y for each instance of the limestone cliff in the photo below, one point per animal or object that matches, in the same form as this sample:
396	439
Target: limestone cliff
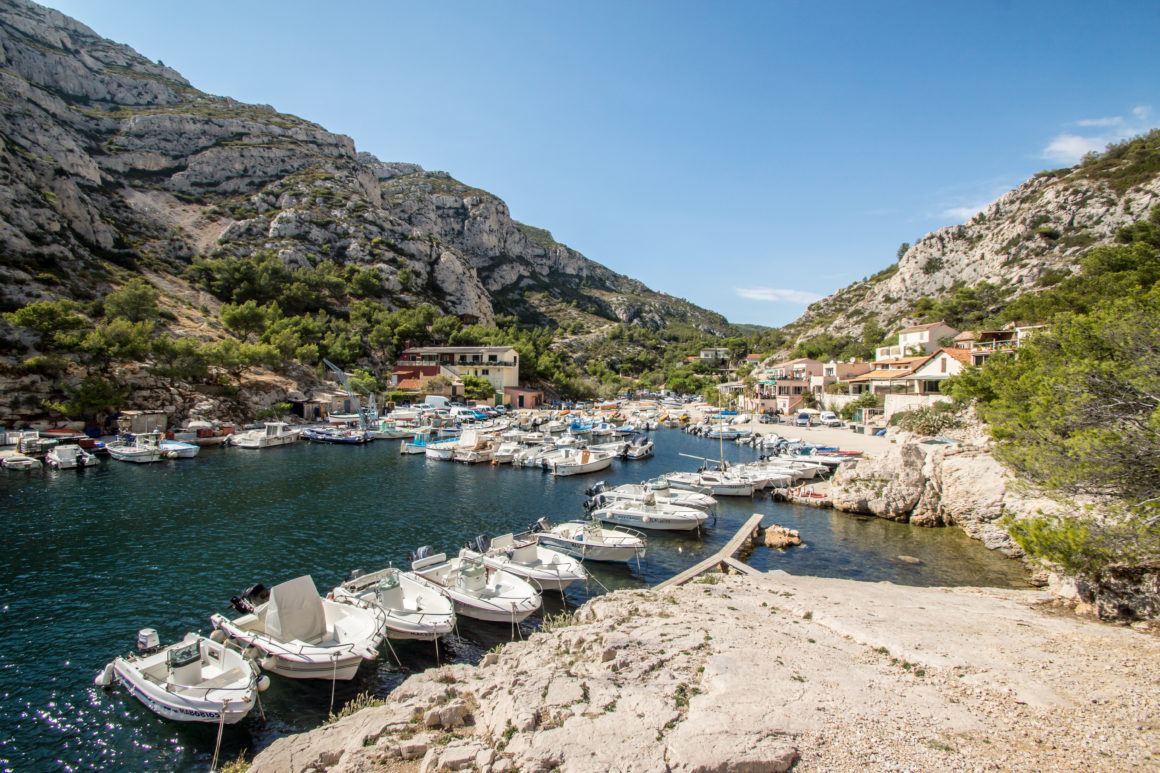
741	674
1027	239
110	162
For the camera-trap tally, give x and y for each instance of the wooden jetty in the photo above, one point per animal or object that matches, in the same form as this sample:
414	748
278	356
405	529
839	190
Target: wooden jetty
723	559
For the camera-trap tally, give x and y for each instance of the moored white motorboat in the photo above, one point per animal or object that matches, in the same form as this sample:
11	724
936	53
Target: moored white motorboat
543	567
19	462
413	608
195	680
658	517
651	492
505	452
441	450
640	447
274	433
717	484
140	449
478	592
176	449
302	635
70	457
579	461
588	540
336	435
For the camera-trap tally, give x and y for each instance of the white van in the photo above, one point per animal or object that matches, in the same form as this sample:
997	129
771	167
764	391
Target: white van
437	401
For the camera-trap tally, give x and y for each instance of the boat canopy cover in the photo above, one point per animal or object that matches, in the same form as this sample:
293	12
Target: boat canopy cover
295	611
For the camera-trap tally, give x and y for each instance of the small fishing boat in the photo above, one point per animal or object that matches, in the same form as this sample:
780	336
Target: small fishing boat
389	429
139	449
651	492
70	457
543	567
336	435
441	450
302	635
176	449
505	452
656	516
274	433
478	592
588	540
195	680
19	462
578	461
413	608
640	447
716	483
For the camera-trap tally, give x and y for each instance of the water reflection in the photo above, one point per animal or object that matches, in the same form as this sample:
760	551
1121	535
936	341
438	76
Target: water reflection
89	558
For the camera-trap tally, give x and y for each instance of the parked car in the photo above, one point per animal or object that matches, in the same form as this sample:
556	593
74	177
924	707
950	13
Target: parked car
802	420
830	419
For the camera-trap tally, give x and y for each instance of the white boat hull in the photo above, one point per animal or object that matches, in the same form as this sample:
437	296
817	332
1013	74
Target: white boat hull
232	693
654	520
612	547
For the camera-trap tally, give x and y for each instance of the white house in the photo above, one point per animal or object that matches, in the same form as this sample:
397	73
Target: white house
919	339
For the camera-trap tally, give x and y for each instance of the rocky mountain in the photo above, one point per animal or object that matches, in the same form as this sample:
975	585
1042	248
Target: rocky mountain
1026	240
112	165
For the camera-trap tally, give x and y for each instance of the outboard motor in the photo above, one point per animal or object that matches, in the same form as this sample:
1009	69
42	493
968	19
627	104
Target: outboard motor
482	543
147	641
251	597
355	574
423	552
596	489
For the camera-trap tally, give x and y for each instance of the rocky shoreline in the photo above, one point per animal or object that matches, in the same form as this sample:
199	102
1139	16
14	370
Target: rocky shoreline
763	673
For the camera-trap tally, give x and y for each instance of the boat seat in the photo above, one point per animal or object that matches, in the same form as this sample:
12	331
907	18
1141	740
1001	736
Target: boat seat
224	679
502	542
526	554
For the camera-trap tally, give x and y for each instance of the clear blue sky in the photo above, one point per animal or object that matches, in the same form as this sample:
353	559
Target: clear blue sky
748	156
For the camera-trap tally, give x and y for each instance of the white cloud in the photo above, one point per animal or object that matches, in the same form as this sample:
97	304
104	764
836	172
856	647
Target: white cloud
1070	148
777	295
1112	121
965	213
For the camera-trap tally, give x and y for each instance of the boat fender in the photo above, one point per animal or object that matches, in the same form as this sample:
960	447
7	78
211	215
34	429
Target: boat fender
218	635
251	652
263	683
105	677
267	663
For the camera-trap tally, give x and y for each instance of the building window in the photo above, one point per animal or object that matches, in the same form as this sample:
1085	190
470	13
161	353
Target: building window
943	362
484	371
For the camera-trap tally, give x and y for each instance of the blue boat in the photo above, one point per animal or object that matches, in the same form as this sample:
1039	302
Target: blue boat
335	435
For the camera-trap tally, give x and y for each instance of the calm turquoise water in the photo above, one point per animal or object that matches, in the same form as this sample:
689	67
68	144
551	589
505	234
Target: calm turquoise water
90	557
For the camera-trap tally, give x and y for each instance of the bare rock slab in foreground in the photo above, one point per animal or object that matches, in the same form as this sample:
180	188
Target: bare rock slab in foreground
763	673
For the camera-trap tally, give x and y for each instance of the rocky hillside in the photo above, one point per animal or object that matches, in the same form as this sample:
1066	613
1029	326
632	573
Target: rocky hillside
112	165
1028	239
769	673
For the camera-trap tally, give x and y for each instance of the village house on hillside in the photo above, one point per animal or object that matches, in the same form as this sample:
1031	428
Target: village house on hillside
919	339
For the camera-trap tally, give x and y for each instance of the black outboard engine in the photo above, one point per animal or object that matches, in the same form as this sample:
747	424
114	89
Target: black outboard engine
251	597
596	489
482	543
541	524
